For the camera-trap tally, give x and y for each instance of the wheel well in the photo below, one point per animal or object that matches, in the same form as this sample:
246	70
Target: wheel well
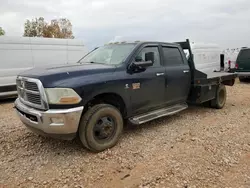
108	98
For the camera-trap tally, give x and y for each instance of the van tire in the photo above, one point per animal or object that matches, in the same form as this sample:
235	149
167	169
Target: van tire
93	127
220	97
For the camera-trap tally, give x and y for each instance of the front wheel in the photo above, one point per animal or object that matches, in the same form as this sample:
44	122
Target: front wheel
101	127
220	97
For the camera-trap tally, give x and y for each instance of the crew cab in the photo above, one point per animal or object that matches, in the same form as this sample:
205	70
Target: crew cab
136	82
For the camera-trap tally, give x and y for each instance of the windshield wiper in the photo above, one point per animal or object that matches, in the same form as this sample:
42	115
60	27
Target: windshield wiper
92	62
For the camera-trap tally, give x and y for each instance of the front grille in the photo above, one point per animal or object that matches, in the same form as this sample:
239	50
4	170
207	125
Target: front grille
34	98
31	86
31	92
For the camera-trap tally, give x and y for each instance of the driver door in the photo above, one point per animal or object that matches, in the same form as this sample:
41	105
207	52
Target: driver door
147	87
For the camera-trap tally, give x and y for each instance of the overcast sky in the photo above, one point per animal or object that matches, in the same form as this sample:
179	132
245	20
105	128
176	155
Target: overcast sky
226	22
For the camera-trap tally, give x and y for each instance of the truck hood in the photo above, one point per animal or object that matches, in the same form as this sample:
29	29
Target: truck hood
52	76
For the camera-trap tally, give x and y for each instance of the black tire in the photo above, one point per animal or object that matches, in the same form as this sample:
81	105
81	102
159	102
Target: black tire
90	120
220	97
242	79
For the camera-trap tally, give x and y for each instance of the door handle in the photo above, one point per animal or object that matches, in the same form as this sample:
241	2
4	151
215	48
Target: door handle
186	71
160	74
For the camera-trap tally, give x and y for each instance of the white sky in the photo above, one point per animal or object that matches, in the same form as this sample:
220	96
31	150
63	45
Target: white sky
226	22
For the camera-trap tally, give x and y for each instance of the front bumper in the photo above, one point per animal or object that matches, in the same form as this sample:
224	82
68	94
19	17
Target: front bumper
61	124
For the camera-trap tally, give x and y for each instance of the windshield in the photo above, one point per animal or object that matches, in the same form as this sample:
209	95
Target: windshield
113	54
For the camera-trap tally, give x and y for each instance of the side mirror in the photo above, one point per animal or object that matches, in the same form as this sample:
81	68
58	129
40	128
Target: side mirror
149	60
150	56
142	64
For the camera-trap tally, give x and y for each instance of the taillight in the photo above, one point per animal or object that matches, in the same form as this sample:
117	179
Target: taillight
236	65
229	64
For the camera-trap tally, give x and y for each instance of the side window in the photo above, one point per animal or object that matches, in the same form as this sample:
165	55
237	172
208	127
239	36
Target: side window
155	50
172	56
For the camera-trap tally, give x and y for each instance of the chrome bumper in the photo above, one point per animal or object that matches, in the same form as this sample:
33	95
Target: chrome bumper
50	122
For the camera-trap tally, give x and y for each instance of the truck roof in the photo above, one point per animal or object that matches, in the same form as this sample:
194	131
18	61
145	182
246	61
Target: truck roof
245	48
144	42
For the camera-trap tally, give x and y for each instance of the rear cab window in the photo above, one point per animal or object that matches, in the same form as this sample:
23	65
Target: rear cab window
172	56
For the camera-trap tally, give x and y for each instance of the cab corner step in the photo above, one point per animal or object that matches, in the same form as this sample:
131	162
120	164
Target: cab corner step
167	111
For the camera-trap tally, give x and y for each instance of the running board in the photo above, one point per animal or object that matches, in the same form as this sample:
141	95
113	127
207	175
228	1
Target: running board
143	118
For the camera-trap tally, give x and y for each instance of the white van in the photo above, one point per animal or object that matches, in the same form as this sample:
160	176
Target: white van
18	54
207	57
230	58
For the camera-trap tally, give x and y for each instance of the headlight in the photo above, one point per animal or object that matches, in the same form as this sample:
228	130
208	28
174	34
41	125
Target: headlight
62	96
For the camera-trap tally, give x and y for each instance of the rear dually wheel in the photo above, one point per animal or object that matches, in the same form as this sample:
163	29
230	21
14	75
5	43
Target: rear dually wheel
220	97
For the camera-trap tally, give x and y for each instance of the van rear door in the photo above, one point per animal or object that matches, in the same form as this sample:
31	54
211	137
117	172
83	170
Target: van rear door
243	60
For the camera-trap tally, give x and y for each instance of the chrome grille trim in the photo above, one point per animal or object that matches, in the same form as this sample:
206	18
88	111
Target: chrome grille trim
31	92
36	99
31	86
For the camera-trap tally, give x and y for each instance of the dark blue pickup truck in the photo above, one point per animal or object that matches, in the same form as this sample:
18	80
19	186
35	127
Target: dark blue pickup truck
137	82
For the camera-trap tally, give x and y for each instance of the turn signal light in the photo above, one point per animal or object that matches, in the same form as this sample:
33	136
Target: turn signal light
69	100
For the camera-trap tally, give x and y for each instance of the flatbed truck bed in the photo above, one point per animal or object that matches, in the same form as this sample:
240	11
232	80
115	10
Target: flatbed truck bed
204	86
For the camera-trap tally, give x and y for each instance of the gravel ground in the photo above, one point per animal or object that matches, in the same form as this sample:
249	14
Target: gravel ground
199	147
